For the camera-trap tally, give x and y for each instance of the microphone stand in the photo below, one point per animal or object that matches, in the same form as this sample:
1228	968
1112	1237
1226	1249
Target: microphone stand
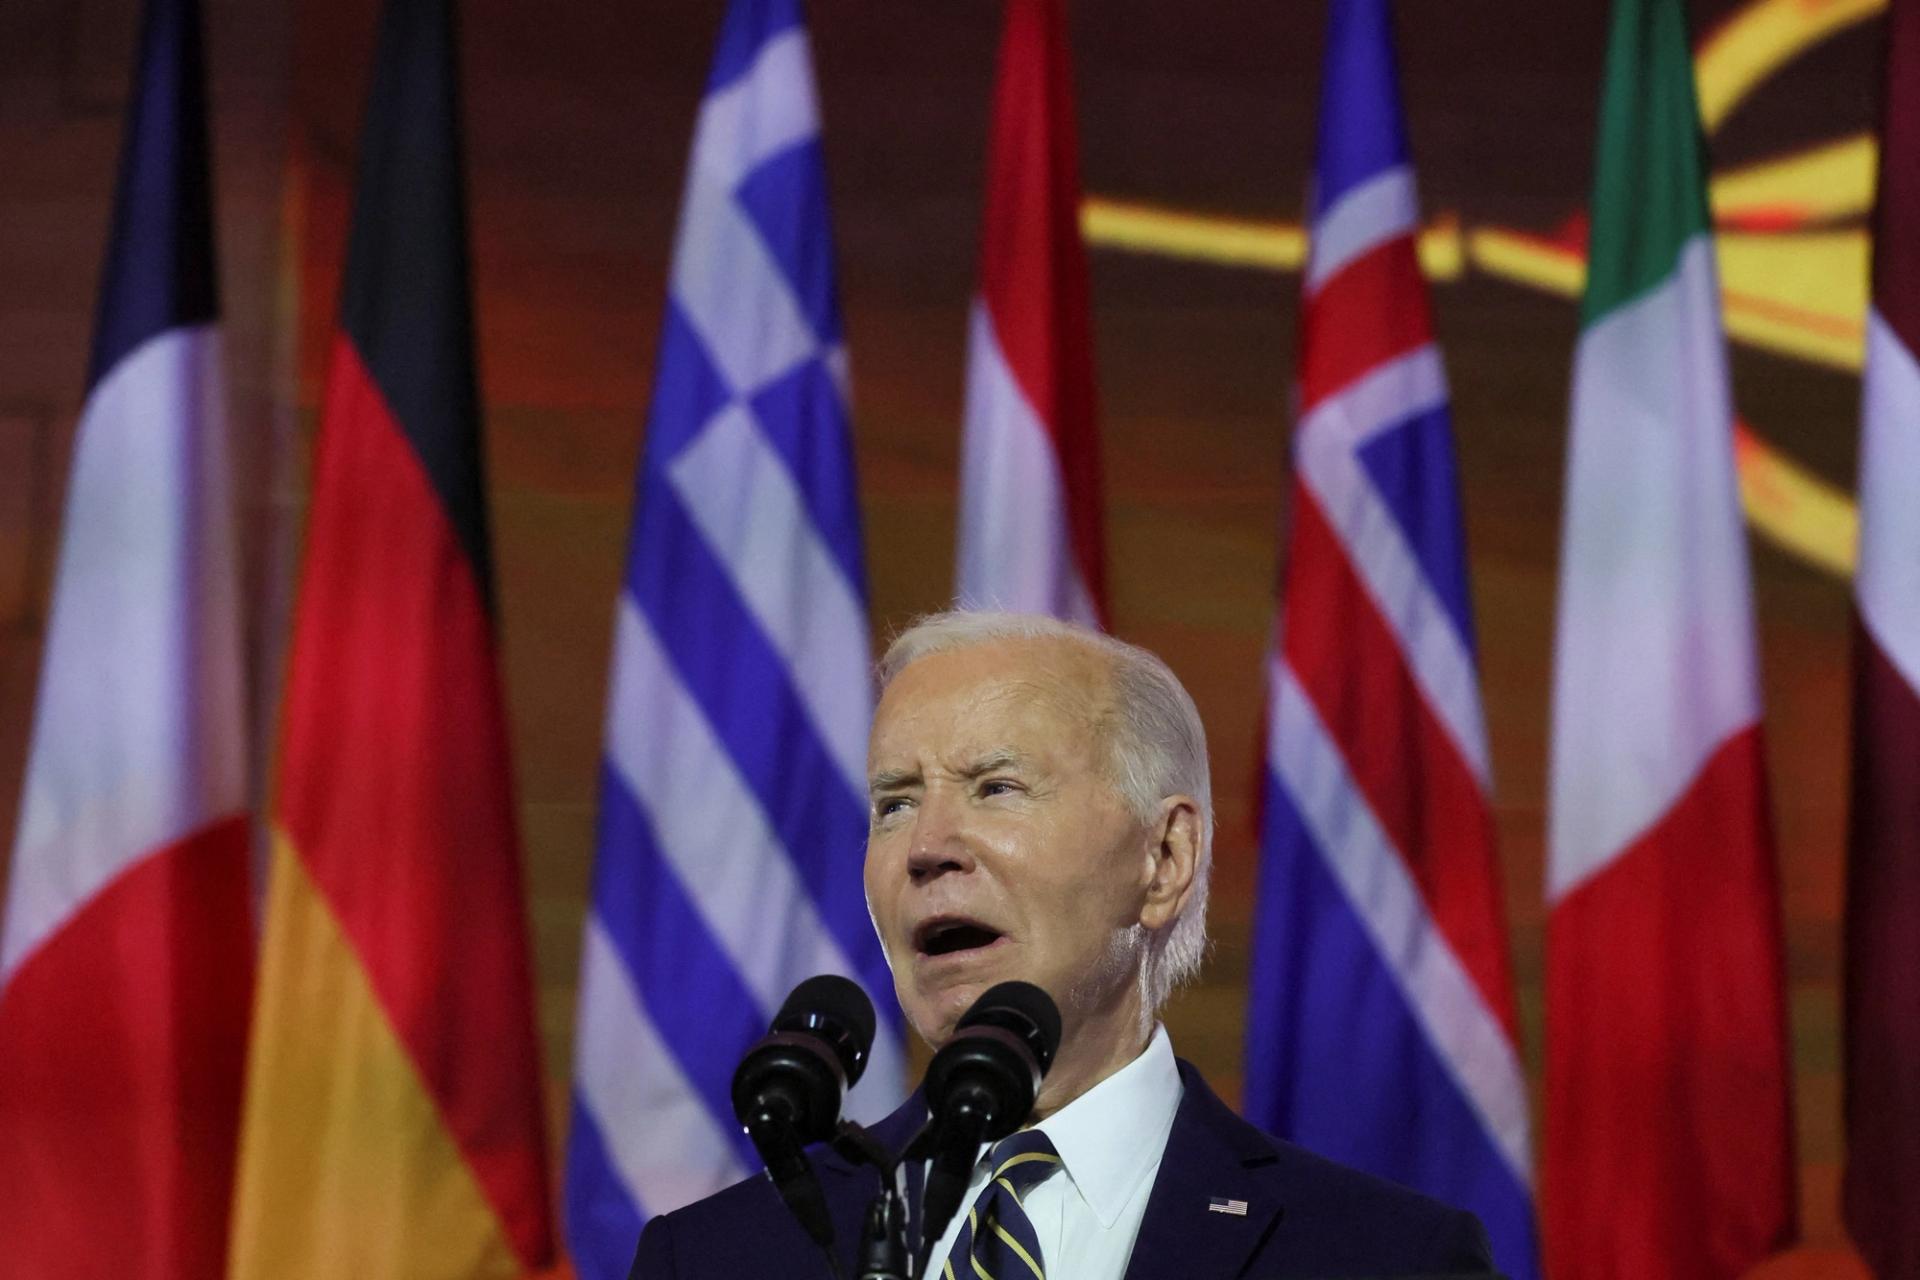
793	1177
882	1253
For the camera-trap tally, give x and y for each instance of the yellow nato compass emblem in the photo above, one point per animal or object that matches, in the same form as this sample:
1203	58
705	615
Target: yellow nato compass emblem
1792	251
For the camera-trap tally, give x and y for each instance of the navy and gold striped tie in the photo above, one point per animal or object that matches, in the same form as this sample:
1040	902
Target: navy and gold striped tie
997	1241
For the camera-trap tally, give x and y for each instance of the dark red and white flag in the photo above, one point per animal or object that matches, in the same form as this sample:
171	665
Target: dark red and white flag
1882	1187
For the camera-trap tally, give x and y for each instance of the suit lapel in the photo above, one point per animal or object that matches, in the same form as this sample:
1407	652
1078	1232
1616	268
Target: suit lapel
1206	1159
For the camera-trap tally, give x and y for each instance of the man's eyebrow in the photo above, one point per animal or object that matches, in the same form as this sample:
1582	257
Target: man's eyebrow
892	780
1004	758
898	779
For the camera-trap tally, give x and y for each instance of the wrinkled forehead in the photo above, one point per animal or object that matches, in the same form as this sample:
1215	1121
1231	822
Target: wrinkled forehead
1039	695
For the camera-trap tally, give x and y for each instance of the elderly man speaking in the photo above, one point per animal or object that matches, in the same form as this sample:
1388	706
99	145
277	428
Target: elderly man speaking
1040	810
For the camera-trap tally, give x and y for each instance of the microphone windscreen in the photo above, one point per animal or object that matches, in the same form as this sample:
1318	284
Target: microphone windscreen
1024	1001
830	1002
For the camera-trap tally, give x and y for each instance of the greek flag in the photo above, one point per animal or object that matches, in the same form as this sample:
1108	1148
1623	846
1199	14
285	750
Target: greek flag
732	811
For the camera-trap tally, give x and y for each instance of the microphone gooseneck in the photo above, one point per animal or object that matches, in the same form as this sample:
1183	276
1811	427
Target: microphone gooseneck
882	1253
980	1087
883	1249
789	1088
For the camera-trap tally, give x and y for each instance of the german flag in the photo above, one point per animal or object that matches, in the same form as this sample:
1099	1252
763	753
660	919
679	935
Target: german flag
393	1121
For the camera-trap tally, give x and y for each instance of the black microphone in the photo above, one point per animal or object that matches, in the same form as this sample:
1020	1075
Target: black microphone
789	1088
980	1087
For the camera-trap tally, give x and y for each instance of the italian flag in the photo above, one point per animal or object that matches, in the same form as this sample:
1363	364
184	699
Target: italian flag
1668	1119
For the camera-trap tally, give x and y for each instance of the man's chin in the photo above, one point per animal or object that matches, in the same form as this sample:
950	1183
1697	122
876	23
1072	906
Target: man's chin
936	1014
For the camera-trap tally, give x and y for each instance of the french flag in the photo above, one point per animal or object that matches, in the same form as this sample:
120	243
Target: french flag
126	953
1030	522
1380	1023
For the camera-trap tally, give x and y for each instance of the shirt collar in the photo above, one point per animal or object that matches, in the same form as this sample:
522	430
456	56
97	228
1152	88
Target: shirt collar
1111	1137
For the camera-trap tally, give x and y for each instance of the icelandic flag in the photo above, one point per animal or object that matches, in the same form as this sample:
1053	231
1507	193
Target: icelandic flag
126	951
1380	1027
732	793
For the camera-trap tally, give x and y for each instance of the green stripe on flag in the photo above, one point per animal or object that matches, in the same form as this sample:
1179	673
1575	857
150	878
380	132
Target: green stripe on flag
1649	187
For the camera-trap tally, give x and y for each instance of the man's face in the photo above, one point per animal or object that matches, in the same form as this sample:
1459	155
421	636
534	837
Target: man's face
997	846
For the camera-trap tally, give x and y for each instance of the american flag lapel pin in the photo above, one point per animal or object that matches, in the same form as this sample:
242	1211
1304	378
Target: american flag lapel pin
1219	1204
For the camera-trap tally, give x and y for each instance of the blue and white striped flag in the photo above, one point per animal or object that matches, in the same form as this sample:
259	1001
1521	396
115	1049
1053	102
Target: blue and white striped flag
732	792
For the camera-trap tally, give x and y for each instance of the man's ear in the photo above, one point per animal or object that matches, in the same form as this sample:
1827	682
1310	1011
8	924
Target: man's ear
1174	853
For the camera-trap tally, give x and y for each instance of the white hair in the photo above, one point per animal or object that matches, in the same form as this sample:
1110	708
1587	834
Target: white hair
1156	747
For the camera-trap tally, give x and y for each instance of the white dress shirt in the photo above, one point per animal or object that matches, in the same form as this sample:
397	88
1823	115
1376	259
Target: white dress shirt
1110	1141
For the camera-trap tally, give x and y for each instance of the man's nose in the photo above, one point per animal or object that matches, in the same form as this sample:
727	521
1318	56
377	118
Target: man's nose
940	844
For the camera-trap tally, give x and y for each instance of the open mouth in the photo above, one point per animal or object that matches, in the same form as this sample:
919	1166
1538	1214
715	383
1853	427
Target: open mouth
948	936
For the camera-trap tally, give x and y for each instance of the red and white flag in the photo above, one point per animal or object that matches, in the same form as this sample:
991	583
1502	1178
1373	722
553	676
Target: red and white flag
1030	511
1882	1185
126	955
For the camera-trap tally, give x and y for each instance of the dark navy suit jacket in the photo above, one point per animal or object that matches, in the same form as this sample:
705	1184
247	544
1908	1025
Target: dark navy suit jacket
1307	1218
